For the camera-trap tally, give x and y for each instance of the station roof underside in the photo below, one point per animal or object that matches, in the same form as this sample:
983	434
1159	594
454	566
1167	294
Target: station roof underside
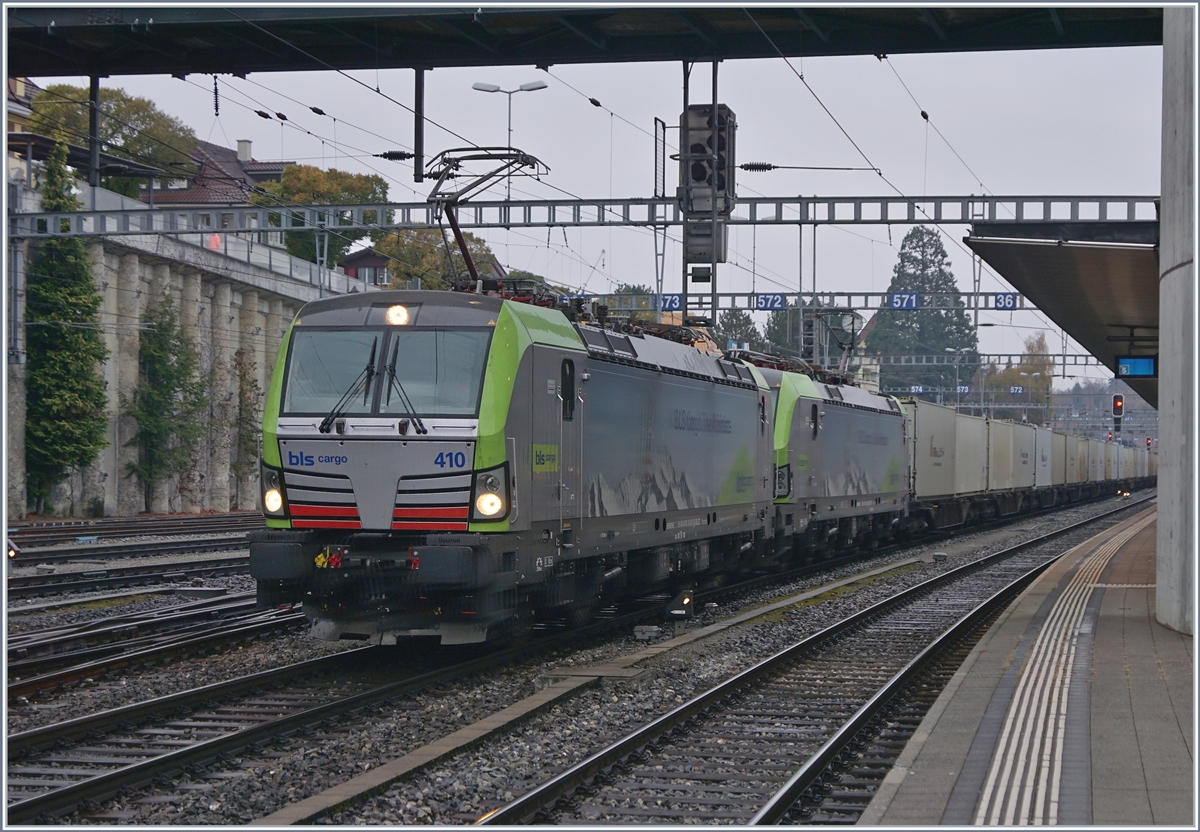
150	40
1100	285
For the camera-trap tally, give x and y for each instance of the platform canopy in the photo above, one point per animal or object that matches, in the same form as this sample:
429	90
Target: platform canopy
1098	283
169	39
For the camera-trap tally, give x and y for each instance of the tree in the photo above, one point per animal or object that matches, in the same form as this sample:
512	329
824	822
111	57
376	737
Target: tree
169	400
65	405
130	127
309	185
1028	383
736	325
638	289
923	268
423	253
247	423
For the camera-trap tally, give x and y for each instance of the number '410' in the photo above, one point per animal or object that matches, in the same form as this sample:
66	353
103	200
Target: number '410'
450	460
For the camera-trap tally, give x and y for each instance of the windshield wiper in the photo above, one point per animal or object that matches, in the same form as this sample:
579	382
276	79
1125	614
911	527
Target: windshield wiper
364	378
404	400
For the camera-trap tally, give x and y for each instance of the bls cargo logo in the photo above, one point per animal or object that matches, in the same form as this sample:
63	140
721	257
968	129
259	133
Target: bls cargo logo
304	460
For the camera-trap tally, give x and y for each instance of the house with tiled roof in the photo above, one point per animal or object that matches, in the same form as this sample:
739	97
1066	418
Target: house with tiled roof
223	176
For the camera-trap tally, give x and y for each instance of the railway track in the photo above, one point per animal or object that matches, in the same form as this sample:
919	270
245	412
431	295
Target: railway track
132	549
100	578
45	533
755	746
35	653
151	745
37	675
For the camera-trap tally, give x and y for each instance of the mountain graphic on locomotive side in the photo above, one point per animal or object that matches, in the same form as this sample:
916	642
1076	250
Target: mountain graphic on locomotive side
455	466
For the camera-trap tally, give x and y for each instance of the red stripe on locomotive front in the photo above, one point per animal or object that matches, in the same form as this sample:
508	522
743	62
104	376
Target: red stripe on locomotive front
323	511
459	512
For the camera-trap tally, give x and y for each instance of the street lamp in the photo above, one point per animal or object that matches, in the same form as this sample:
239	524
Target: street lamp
958	353
528	87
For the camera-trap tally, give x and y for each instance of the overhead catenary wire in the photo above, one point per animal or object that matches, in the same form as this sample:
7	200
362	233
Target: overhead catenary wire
914	203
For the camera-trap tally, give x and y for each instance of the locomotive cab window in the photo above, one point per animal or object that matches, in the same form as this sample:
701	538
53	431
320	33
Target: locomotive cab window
439	372
567	389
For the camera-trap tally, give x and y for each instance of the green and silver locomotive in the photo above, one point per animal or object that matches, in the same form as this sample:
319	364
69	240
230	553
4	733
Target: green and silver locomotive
455	465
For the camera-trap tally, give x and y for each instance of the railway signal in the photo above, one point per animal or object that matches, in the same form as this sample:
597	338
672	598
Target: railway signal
1118	407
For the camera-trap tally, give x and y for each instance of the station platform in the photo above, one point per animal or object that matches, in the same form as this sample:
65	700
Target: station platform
1075	708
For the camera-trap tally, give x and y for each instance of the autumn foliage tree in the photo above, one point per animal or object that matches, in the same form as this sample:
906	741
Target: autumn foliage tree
130	127
423	253
301	185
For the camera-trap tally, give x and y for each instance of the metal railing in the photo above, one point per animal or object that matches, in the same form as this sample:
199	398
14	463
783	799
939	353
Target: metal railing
792	210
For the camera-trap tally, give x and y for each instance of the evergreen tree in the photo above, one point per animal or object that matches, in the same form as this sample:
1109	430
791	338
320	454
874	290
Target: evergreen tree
169	400
924	268
65	418
737	325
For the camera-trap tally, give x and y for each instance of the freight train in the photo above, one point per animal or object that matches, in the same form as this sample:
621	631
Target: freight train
455	466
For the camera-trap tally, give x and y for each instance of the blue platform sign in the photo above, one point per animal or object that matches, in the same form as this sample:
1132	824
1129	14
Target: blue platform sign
672	303
904	300
1006	300
1137	366
773	300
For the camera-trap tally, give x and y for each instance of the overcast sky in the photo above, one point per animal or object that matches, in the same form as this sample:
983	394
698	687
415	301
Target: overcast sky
1050	122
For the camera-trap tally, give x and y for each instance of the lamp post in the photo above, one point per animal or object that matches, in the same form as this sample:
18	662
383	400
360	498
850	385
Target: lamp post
958	353
528	87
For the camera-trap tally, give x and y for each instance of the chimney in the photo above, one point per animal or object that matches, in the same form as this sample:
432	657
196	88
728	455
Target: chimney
244	150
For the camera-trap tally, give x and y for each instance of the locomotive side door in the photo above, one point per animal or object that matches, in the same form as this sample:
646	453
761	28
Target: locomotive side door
557	447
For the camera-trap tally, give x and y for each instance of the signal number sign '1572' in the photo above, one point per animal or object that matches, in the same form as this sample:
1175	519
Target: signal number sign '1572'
904	300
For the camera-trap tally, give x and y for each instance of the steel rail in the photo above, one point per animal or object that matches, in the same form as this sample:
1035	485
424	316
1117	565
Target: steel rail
51	654
145	548
66	531
59	678
25	586
527	807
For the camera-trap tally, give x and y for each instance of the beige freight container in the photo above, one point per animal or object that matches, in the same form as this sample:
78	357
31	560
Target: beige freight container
1000	455
932	432
1154	463
1076	448
1112	455
1058	459
1024	456
1095	460
971	455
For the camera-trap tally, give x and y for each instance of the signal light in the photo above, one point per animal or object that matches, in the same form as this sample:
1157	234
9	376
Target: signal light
1149	441
1118	405
1110	436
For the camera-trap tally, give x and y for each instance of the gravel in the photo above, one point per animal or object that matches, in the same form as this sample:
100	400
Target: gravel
459	790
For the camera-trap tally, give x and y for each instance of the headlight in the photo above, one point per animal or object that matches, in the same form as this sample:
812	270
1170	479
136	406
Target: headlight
492	500
396	315
489	504
272	489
